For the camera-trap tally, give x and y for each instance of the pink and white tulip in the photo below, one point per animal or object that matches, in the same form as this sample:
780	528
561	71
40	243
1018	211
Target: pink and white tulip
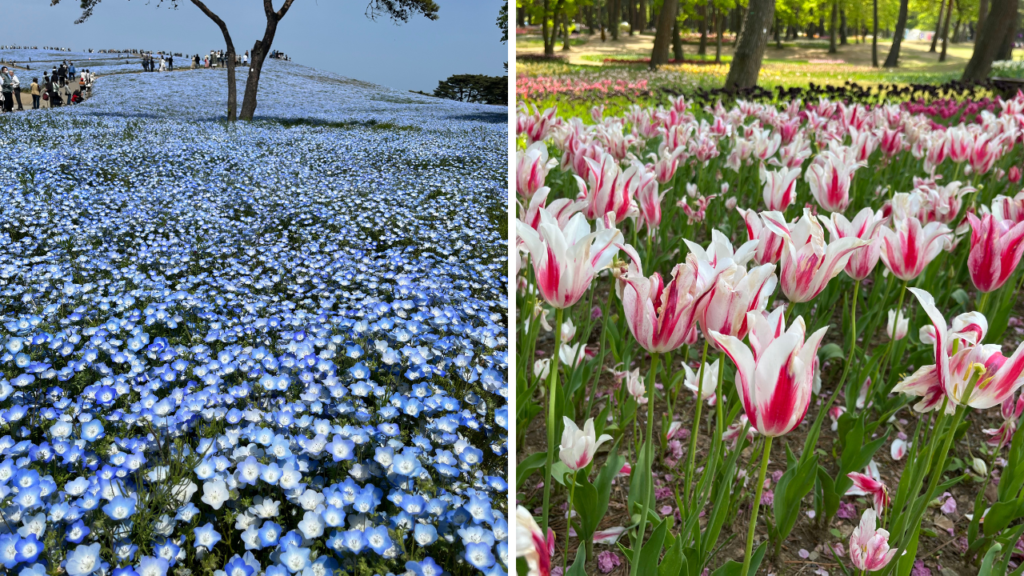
865	226
779	187
648	200
662	316
774	376
996	250
907	247
735	293
808	262
869	546
579	446
532	166
565	259
865	484
532	545
948	378
769	244
829	177
897	329
609	189
707	387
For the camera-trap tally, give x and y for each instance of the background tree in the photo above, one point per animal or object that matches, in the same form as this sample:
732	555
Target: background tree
746	63
998	26
397	10
666	20
474	88
892	60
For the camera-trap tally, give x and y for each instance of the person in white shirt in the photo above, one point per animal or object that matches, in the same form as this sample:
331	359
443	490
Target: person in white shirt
17	90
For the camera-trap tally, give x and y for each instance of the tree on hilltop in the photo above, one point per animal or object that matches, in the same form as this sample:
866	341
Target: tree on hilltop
396	10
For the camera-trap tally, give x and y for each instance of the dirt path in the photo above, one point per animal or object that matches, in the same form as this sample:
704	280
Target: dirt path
913	53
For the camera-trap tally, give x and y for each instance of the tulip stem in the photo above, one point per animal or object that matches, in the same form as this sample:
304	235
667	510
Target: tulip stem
719	399
695	428
568	521
552	421
757	503
983	303
899	312
853	337
649	487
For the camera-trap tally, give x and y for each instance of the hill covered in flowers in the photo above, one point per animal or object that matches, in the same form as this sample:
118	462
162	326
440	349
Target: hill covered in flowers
274	347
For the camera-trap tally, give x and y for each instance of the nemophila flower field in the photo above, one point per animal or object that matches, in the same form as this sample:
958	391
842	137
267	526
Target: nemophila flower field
764	338
269	348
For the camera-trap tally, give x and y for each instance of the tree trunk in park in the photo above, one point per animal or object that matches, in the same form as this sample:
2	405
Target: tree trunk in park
833	27
996	28
232	82
778	38
642	16
945	30
703	49
746	63
659	55
565	32
982	13
677	41
843	33
258	55
892	60
1006	48
613	18
938	26
743	22
631	16
720	25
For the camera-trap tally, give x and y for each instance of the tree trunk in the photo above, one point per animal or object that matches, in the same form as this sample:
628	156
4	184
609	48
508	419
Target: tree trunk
613	18
997	27
702	50
843	33
746	63
719	26
259	54
982	13
545	30
642	16
659	55
565	32
938	26
833	27
743	22
945	30
677	41
1006	49
778	38
232	83
892	60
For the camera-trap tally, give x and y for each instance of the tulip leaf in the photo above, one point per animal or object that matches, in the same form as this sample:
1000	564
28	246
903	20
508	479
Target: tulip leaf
830	351
674	562
651	551
559	471
578	567
999	516
1013	474
830	497
961	297
638	482
990	556
795	483
532	462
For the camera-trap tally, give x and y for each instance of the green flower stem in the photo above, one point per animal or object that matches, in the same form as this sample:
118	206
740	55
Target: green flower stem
757	504
572	493
645	507
552	423
899	312
695	428
719	422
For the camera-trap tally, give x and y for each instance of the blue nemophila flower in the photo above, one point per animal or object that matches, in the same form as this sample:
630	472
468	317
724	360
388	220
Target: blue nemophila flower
120	508
84	560
479	555
206	536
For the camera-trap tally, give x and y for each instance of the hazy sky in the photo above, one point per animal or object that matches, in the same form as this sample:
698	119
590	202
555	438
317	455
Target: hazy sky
332	35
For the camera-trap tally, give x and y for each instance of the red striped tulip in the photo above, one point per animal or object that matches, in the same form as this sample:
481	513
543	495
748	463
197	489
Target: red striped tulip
864	484
908	247
706	389
984	152
808	263
865	226
996	249
562	208
769	244
775	374
538	125
659	316
648	199
779	187
829	177
1006	208
579	446
532	545
610	190
719	255
733	294
565	259
532	166
959	142
869	547
948	378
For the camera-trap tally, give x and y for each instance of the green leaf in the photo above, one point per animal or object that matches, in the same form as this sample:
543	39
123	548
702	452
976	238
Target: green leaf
638	482
578	567
830	351
674	562
999	516
990	556
651	551
830	499
528	465
795	483
559	470
961	297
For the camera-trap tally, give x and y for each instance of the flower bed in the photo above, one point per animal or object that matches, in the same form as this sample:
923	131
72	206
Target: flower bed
760	335
268	348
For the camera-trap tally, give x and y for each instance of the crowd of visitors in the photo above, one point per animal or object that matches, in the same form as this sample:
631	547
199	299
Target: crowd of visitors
65	85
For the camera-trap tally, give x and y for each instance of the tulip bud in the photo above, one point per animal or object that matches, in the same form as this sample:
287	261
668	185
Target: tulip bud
979	466
635	386
579	446
541	368
1014	174
897	329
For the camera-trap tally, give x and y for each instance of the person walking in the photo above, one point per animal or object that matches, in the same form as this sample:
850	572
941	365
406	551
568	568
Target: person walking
170	62
72	73
7	89
17	90
35	93
163	65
